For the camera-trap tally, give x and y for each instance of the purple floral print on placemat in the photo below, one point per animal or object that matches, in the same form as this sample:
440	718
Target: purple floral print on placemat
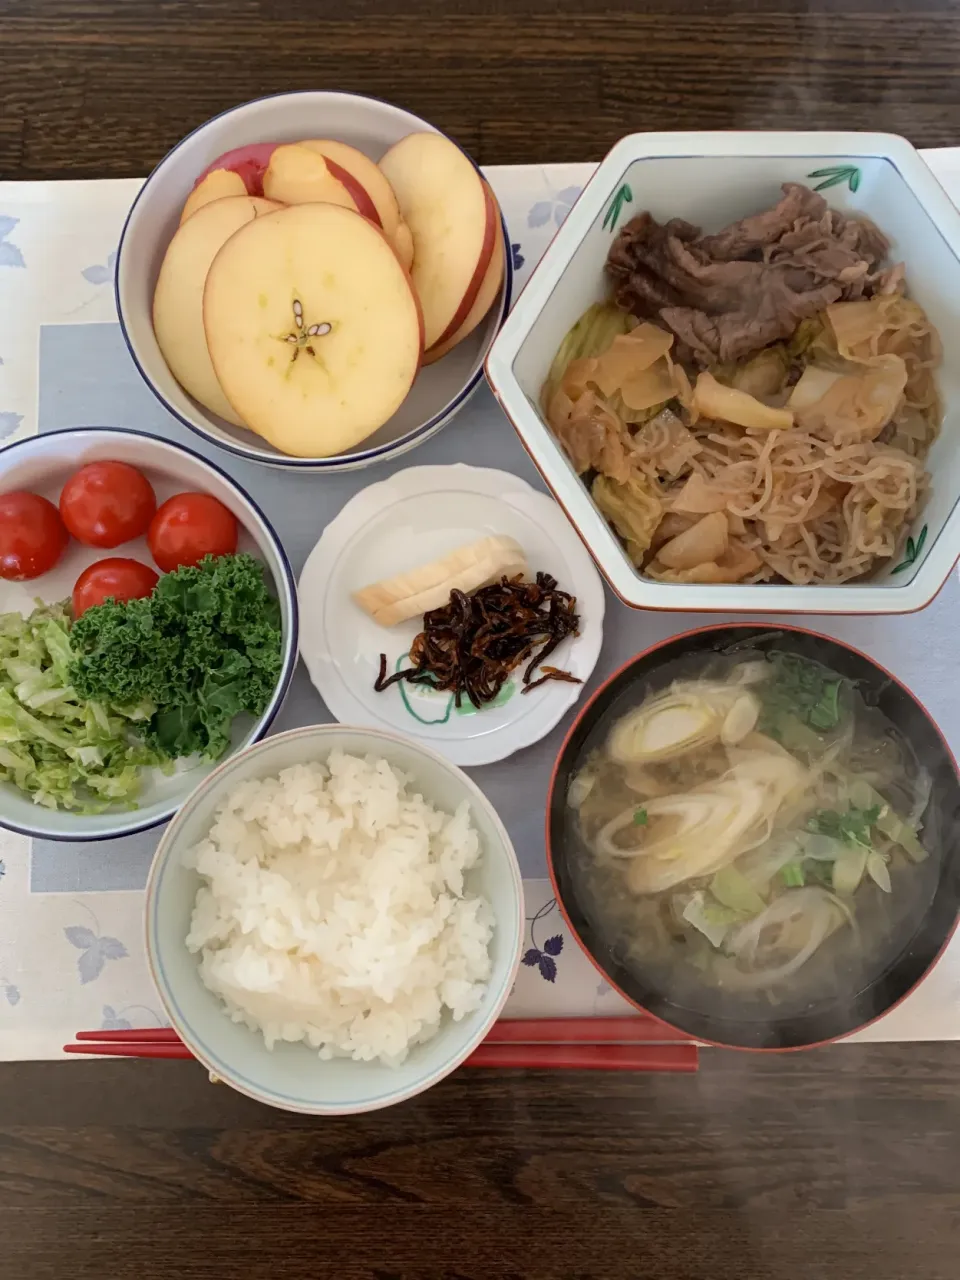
100	273
545	957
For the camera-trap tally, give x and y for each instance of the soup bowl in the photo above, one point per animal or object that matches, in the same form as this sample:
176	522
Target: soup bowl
893	961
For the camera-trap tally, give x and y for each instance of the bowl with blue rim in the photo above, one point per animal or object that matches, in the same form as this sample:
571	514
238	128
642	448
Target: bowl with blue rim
237	148
291	1073
42	794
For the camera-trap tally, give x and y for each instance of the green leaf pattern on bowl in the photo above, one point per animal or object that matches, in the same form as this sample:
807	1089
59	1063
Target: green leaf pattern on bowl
837	176
623	197
912	551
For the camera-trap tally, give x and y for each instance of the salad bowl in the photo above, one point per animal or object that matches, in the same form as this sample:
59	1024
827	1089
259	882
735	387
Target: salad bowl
42	465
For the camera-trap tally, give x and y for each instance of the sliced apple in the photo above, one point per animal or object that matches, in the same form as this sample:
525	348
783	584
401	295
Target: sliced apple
219	184
249	163
298	174
468	303
365	172
373	182
313	328
453	220
178	297
403	243
486	296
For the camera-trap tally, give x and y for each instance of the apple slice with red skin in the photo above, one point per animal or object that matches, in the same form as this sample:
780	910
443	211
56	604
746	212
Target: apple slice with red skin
469	299
249	163
363	202
340	155
369	191
219	184
178	297
313	328
344	158
301	175
486	296
452	217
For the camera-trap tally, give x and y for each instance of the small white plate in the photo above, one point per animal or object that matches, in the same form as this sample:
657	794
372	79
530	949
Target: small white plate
415	517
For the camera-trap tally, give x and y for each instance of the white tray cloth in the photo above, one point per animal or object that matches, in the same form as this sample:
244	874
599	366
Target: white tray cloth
71	949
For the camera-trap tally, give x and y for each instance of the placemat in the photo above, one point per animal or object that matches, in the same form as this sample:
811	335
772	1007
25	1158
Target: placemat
71	952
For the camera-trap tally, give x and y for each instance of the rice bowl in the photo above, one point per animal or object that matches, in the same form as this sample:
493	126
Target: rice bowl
334	910
291	1075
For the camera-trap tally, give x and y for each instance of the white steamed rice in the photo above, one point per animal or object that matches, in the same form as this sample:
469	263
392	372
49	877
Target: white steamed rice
334	910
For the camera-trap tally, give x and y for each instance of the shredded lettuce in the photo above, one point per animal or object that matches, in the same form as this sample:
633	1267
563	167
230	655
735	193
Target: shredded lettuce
65	751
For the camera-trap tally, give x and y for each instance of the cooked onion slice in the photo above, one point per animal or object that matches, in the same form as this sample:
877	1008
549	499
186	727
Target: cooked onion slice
780	940
687	716
727	404
696	833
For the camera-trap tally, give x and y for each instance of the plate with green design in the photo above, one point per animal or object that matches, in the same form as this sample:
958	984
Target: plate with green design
416	517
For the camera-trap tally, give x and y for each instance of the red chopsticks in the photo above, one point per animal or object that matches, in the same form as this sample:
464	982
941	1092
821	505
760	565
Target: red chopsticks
575	1044
131	1049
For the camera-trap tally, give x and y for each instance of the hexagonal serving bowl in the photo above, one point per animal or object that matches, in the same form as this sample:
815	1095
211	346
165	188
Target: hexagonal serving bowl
710	179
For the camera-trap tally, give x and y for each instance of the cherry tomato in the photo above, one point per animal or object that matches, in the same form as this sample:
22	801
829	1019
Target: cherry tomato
117	577
188	527
32	536
106	503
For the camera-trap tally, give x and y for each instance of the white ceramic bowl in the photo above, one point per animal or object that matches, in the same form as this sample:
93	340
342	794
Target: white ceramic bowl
292	1076
441	389
42	464
710	179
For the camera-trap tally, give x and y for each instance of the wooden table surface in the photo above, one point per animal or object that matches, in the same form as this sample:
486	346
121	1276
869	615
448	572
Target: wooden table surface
836	1163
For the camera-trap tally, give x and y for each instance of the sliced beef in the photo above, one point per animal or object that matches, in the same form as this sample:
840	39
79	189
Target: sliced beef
728	295
756	232
770	314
